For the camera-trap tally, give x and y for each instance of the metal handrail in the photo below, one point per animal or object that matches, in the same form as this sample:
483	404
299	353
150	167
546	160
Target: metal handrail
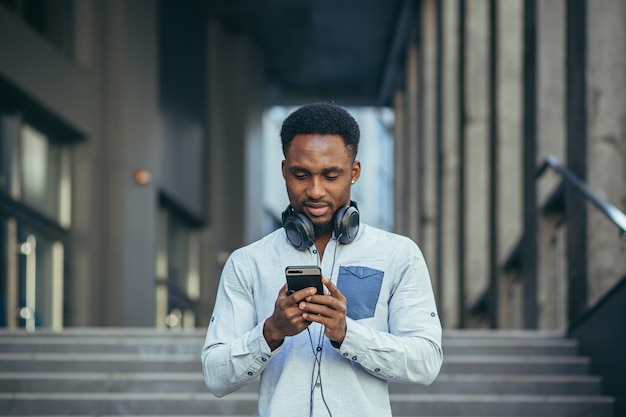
611	212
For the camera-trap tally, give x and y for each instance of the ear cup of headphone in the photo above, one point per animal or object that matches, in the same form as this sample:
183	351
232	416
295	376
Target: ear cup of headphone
301	232
346	224
299	229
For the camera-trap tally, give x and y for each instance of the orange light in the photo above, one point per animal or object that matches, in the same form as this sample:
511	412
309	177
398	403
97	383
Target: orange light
141	176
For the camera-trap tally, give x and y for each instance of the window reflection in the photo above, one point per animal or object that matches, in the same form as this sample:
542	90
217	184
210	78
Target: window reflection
34	164
45	178
178	271
35	184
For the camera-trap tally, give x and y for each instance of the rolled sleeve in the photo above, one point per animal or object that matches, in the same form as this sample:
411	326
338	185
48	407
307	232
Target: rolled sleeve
406	359
235	351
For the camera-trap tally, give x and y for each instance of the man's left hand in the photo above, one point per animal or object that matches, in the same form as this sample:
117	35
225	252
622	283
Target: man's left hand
329	310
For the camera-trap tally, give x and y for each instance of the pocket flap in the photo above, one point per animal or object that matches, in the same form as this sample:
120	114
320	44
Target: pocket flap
361	272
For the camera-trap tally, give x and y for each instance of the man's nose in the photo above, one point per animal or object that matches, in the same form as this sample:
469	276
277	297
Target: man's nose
316	189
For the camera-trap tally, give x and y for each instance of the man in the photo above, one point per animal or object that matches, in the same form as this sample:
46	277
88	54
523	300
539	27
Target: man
323	354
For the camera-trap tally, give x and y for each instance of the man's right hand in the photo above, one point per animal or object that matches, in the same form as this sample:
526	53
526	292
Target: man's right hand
286	320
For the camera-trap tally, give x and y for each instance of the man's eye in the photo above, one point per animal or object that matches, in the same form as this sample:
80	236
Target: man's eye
300	176
331	177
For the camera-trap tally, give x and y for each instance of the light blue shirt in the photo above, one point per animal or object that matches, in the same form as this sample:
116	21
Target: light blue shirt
393	329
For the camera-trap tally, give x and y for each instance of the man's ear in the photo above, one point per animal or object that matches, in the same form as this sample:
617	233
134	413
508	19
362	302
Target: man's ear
356	171
282	168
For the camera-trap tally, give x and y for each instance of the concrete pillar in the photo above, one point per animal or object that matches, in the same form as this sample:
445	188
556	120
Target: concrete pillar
509	101
551	287
400	147
428	236
253	148
130	141
606	142
509	51
550	90
476	163
551	279
411	159
235	128
449	273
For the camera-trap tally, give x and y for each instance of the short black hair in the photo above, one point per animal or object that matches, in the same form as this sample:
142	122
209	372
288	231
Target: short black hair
322	119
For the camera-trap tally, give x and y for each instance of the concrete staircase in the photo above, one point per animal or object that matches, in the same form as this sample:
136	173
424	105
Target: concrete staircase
134	372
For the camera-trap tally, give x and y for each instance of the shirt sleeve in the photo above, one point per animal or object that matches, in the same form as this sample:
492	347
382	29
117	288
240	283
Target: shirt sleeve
410	351
235	350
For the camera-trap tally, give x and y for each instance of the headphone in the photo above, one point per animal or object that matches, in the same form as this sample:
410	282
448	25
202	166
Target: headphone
301	233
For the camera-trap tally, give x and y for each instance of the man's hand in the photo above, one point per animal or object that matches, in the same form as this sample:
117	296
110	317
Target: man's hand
287	318
329	310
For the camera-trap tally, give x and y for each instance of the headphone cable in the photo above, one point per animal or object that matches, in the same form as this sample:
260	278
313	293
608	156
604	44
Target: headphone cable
318	351
316	377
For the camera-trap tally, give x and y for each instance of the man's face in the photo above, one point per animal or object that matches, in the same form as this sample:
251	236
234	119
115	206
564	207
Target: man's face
318	171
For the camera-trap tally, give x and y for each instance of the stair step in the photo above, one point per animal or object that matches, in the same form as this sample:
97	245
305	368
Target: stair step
515	346
106	382
127	403
102	340
84	345
505	364
98	362
120	362
506	384
245	404
502	405
141	372
193	382
119	345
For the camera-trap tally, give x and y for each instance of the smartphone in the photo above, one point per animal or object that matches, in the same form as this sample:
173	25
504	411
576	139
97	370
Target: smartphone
299	277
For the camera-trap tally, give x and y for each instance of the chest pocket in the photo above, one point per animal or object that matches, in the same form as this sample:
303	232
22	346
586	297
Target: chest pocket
361	287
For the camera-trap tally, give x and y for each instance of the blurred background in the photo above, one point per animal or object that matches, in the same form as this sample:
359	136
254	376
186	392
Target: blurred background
139	147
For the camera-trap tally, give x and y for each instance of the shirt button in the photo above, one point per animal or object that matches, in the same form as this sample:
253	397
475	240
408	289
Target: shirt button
264	359
377	370
250	374
354	358
345	354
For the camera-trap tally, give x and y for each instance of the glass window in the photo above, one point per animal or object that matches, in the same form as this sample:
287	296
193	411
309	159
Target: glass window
9	127
45	178
40	280
35	170
34	225
178	271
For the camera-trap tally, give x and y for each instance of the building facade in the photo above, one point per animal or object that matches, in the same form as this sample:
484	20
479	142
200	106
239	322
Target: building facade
132	164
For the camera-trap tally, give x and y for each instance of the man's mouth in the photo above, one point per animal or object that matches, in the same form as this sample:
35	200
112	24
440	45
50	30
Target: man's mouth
316	210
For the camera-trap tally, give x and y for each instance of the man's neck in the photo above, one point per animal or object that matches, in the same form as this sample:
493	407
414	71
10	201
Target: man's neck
321	242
